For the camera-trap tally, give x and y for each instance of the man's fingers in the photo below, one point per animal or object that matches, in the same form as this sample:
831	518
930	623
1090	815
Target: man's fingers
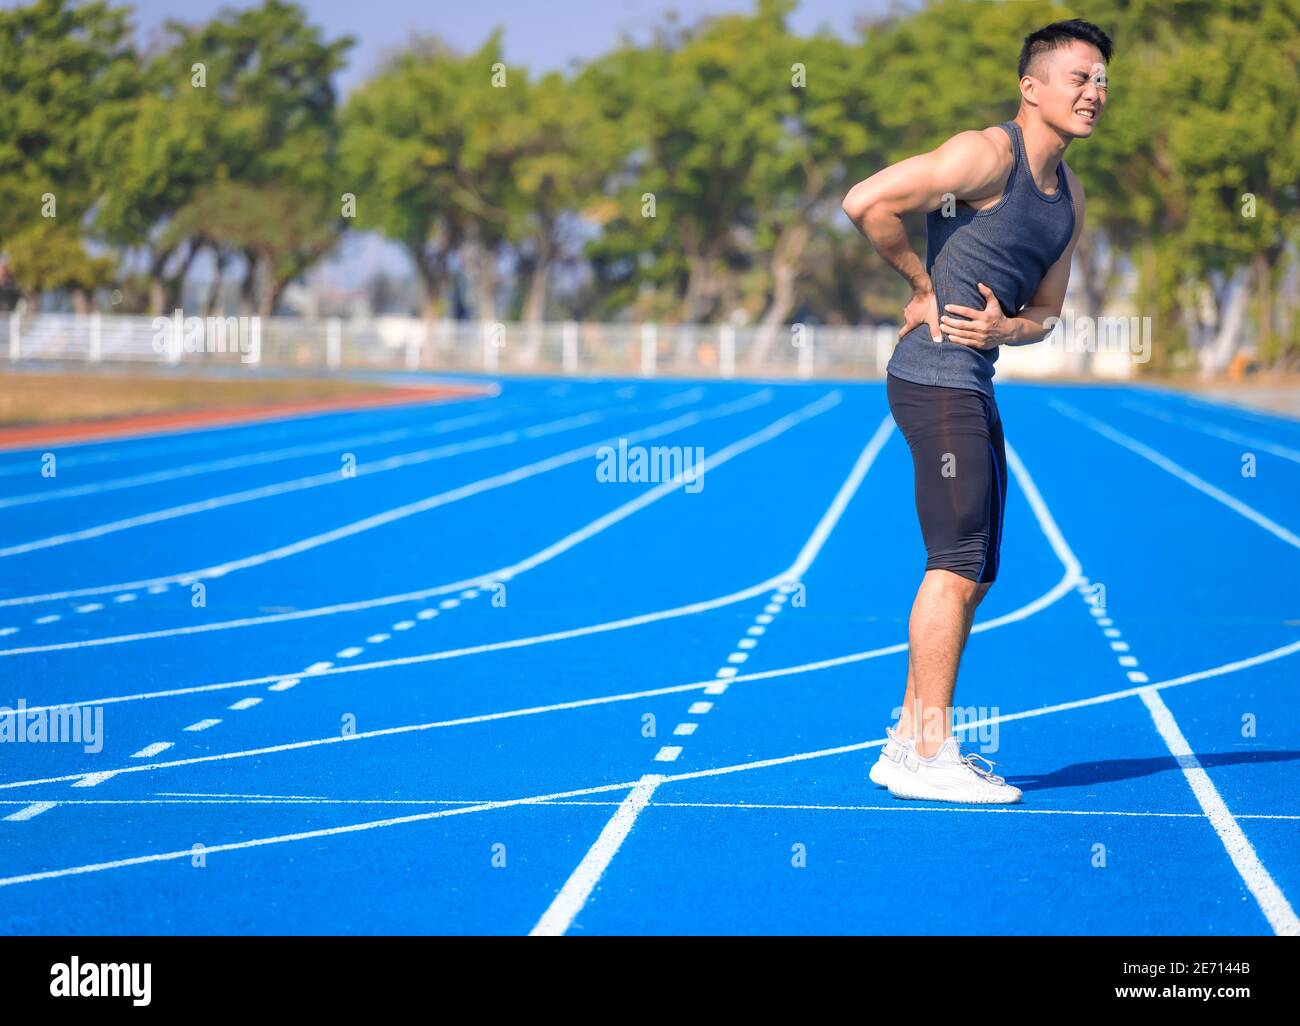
965	311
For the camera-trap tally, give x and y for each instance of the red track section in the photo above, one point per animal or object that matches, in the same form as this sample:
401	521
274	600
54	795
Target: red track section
158	423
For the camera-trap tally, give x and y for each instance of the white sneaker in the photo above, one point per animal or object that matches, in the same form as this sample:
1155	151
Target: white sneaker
890	757
950	776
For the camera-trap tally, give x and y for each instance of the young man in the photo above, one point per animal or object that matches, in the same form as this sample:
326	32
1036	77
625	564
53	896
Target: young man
1003	214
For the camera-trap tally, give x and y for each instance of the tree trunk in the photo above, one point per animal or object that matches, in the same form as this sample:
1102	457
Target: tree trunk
787	258
430	269
158	291
1232	317
214	296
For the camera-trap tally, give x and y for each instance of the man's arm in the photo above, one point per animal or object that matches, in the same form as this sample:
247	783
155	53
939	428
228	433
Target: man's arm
968	166
987	328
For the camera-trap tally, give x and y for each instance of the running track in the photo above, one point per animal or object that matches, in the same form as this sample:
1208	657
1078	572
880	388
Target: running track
471	689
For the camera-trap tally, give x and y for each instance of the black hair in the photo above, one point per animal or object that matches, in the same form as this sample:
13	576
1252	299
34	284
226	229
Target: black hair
1062	33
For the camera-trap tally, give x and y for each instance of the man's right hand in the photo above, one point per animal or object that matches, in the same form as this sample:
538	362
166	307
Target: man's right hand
922	308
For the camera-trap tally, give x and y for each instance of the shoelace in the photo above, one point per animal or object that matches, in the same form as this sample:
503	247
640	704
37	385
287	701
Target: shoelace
987	774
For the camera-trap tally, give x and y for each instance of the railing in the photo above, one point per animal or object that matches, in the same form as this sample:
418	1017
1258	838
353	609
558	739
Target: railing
405	343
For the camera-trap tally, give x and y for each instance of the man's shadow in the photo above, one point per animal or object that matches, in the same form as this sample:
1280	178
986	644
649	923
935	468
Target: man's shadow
1105	771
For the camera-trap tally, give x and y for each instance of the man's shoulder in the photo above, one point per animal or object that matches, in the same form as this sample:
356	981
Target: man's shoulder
991	144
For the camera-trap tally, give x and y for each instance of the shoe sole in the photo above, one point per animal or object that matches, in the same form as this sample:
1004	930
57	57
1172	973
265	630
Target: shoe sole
961	796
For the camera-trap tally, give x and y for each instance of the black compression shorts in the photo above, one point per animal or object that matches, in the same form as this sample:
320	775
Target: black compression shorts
960	465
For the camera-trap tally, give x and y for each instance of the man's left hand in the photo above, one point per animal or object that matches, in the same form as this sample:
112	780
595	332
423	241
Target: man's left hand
978	329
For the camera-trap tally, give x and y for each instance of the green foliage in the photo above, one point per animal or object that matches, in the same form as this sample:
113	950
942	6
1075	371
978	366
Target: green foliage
744	135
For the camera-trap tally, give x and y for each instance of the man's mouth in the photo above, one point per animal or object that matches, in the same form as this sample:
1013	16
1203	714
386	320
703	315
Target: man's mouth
1088	114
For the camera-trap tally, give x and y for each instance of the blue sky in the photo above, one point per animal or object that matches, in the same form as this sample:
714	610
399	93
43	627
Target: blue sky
542	34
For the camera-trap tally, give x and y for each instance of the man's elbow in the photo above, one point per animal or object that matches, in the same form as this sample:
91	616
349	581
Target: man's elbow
857	203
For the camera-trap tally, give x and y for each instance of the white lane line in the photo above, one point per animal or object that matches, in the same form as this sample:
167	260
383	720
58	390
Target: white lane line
332	446
193	799
202	725
624	785
351	652
49	618
1267	894
1182	473
544	555
1272	902
377	639
1253	441
244	703
557	919
329	477
812	547
284	685
450	603
149	751
388	516
190	798
90	779
6	631
303	836
426	614
403	625
90	607
35	809
700	708
126	596
314	669
224	435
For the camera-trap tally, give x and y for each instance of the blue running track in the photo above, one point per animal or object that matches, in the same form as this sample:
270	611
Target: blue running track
418	670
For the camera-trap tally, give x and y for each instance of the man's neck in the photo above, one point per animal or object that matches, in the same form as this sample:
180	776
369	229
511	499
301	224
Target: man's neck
1044	148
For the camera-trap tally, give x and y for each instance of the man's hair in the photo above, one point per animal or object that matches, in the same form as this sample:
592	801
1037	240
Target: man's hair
1059	34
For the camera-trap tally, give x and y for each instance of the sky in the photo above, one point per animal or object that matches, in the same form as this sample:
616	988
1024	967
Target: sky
542	35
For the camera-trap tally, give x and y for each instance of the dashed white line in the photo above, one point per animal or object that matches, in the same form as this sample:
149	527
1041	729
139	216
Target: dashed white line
149	751
202	725
35	809
245	703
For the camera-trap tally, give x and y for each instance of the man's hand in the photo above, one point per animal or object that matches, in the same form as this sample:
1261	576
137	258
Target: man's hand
978	329
922	308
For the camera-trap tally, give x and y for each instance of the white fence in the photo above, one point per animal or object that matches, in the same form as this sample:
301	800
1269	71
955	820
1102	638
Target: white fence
405	343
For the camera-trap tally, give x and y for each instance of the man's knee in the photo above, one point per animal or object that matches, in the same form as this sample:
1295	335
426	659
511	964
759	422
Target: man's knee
959	586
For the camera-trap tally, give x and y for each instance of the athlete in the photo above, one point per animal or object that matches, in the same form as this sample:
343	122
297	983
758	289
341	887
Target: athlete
1003	215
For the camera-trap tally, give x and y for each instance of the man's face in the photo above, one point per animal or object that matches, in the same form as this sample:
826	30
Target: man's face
1071	88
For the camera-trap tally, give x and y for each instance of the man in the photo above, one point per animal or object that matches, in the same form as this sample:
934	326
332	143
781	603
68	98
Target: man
1003	215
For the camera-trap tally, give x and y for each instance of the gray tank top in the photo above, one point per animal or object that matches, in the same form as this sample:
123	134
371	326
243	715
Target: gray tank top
1009	247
